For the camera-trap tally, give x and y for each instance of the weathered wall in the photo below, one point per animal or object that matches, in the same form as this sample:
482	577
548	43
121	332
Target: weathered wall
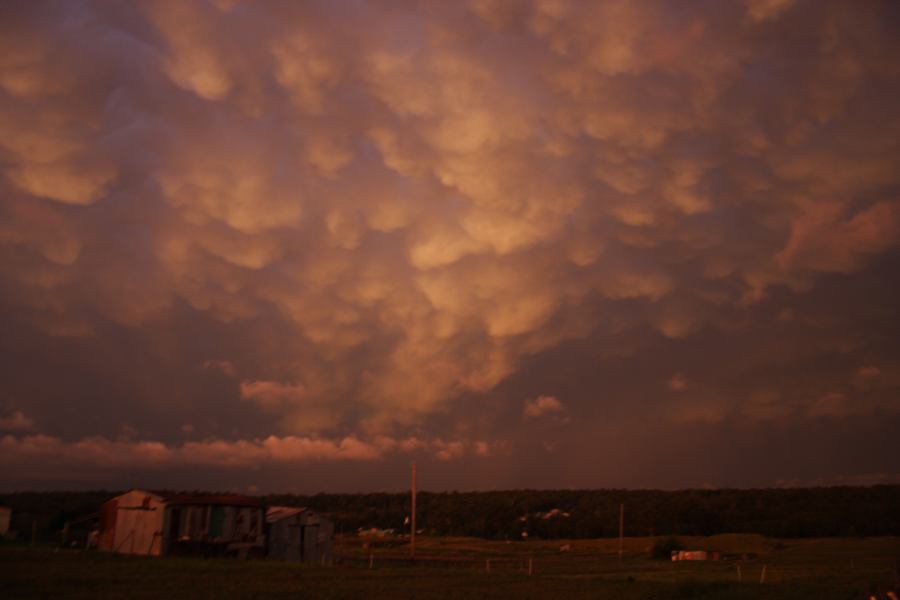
303	537
138	524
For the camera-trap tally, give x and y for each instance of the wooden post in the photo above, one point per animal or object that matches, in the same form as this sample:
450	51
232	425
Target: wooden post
487	565
740	577
762	576
530	570
412	523
621	529
65	534
371	560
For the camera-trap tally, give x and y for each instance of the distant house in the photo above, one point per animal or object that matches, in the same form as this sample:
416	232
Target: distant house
299	534
678	555
5	517
149	523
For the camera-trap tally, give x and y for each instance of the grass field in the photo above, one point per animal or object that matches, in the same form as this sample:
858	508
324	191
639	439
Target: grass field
458	568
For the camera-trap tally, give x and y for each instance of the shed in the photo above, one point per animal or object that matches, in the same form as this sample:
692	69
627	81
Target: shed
132	523
142	522
299	535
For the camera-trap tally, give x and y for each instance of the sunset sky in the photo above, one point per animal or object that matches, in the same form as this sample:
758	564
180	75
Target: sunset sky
292	246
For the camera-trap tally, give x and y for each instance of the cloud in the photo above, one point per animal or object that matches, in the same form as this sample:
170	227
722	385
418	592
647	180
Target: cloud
768	405
17	421
677	382
762	10
226	367
370	214
821	239
542	406
868	372
36	450
832	404
272	394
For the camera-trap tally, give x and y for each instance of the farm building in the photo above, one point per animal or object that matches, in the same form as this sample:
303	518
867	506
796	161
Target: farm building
694	555
5	516
299	534
142	522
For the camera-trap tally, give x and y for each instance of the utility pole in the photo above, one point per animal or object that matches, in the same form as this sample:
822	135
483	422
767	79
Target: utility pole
621	528
412	519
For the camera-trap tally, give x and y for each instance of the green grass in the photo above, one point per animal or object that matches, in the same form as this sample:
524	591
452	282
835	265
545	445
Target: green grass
456	568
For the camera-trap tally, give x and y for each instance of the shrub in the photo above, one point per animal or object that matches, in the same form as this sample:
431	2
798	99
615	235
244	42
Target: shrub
664	547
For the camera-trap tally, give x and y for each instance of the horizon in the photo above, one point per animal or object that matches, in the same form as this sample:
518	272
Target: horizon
400	491
419	490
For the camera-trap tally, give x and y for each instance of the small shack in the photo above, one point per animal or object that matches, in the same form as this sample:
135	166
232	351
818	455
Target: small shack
132	523
299	535
149	523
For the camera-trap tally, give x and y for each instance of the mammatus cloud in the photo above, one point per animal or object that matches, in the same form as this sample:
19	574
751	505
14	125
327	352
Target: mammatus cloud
541	406
677	382
868	372
223	366
271	394
339	222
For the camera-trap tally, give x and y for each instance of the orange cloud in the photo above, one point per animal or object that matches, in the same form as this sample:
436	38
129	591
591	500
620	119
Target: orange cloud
17	421
271	394
677	383
542	406
103	453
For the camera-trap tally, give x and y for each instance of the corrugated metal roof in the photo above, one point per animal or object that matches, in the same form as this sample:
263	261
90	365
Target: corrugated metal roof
276	513
186	498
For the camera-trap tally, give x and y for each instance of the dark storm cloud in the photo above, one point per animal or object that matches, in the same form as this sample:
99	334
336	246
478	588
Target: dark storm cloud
271	235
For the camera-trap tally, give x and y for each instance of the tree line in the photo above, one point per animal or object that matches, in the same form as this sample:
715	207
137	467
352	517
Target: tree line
552	514
784	513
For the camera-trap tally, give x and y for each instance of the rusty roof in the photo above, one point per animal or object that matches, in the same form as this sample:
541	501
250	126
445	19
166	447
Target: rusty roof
198	498
276	513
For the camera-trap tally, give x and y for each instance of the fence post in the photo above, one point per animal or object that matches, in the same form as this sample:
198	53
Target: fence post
371	559
762	576
530	570
740	577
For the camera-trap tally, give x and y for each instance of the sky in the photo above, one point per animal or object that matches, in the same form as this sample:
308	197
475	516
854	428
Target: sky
271	246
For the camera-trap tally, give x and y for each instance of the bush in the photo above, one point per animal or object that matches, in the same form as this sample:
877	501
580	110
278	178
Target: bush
664	547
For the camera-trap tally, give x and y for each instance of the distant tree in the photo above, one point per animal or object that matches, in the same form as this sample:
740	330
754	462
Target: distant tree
808	512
